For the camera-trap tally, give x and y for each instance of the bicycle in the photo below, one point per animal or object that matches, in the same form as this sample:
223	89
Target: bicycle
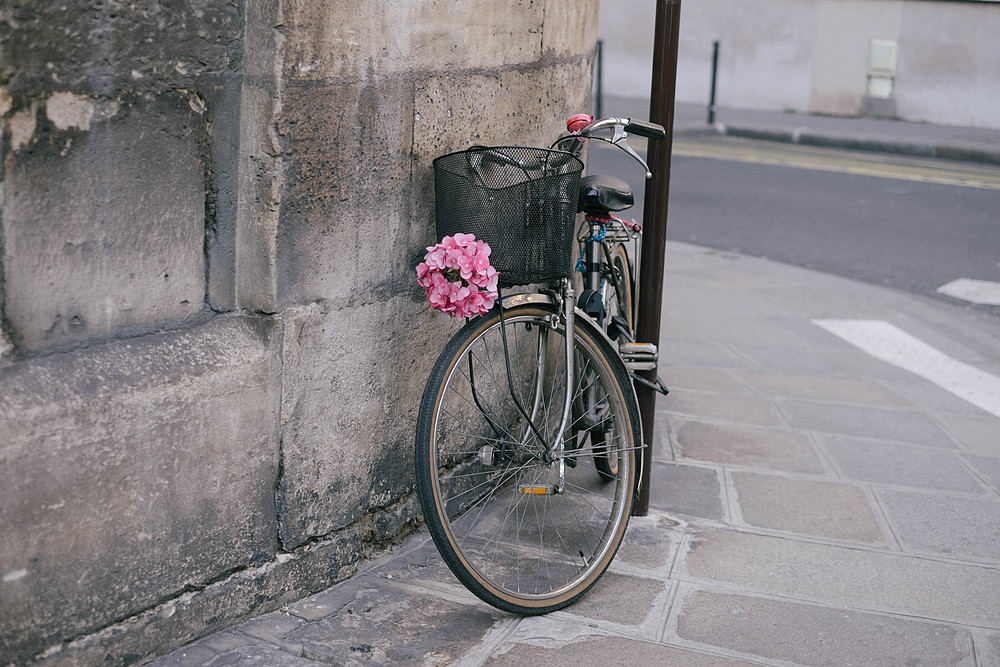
529	432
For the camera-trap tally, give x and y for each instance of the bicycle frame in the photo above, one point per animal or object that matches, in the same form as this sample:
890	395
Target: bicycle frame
605	236
597	254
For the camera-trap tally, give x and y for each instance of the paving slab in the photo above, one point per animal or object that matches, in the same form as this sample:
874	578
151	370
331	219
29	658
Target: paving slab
931	398
384	624
823	388
664	443
700	378
731	408
650	542
988	467
190	656
944	524
747	446
261	656
699	353
204	650
893	463
227	640
782	358
606	650
688	490
902	425
273	627
823	509
991	650
861	578
621	598
809	634
976	433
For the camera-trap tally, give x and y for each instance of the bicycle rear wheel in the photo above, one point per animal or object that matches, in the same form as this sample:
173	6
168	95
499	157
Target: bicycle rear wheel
617	292
490	498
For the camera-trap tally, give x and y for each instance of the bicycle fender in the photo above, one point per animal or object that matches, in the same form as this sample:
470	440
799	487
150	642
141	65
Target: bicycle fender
546	299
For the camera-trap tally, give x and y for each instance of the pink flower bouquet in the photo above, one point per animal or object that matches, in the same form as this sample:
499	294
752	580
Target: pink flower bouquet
457	276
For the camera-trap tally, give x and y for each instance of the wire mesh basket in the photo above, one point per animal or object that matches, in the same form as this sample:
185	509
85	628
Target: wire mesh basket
522	201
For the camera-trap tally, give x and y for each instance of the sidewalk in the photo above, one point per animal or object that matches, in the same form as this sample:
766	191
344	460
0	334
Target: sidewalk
869	134
810	504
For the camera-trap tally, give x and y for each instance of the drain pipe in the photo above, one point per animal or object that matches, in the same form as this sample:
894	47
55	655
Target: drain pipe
661	111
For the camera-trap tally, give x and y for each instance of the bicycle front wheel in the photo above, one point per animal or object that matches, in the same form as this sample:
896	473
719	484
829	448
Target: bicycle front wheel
526	524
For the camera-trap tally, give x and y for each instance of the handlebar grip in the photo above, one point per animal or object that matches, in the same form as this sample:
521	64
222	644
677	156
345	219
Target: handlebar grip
495	156
644	129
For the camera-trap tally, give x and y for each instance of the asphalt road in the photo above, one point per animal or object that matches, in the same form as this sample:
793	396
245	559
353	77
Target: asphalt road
909	223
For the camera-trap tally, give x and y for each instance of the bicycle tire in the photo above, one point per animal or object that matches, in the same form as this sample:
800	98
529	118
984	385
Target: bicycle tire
618	301
624	303
478	475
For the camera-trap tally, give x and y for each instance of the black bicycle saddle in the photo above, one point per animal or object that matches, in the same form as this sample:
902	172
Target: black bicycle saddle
603	194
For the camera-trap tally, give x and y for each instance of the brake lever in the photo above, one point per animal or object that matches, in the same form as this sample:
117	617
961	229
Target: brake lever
620	140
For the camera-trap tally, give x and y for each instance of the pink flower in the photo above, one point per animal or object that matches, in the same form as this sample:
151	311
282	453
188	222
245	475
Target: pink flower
465	267
436	257
463	240
481	261
457	276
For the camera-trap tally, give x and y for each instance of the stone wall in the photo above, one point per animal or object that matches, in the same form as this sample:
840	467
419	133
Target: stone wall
212	346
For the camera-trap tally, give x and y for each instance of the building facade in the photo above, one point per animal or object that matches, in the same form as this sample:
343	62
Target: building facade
935	61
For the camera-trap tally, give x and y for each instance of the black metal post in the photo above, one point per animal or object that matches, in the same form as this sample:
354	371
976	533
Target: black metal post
654	235
599	93
715	69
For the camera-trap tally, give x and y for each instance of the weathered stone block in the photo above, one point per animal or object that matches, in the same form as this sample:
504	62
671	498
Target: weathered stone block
131	471
236	598
330	39
520	106
104	223
570	26
349	403
358	200
345	226
97	48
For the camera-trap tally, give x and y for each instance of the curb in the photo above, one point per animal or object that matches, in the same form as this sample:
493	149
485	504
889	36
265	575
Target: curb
802	136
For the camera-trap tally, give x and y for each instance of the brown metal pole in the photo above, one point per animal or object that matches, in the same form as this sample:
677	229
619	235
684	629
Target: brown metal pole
654	222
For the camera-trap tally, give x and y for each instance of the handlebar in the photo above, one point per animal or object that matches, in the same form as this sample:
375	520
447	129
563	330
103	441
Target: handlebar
646	129
582	127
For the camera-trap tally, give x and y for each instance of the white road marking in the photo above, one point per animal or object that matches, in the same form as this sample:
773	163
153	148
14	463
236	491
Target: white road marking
893	345
973	291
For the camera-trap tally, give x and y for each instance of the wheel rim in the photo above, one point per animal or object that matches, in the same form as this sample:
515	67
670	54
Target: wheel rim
615	306
607	466
516	539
